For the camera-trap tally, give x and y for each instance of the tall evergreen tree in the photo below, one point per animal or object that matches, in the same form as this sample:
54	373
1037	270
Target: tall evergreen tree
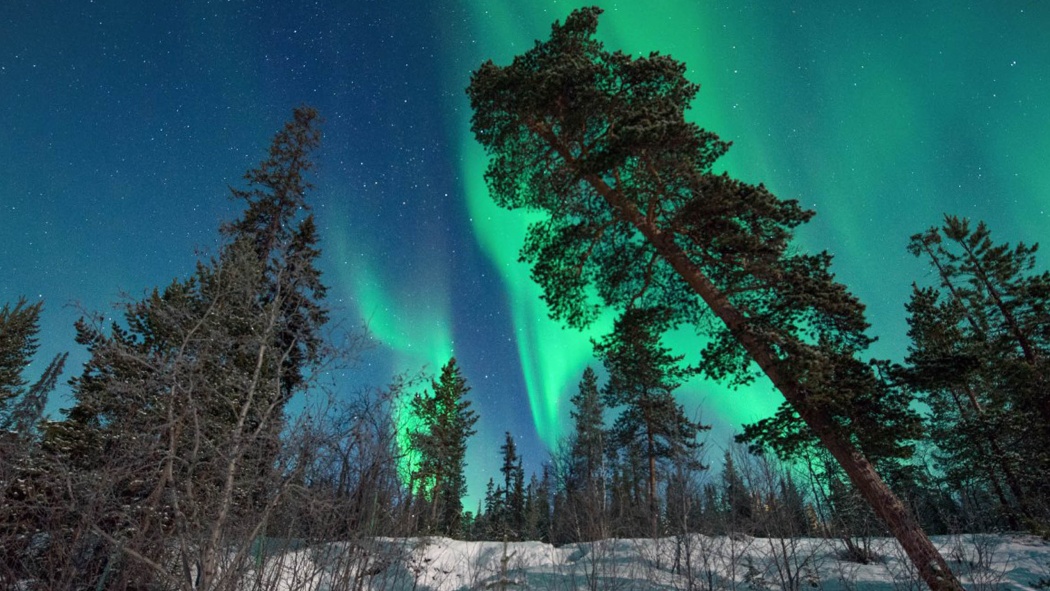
27	484
488	523
18	343
277	224
587	447
642	378
445	423
185	399
629	509
794	506
538	507
979	360
585	478
513	518
599	142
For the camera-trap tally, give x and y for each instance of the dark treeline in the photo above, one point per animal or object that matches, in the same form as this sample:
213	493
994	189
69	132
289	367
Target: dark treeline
180	466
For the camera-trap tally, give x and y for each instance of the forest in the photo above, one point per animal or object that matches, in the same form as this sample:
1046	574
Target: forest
180	464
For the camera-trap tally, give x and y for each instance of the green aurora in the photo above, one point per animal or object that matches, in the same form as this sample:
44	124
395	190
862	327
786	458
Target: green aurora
851	110
126	120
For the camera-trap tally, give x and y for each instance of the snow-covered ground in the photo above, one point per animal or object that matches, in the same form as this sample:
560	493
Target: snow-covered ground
692	562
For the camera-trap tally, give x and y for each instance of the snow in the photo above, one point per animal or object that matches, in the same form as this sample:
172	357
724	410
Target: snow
983	562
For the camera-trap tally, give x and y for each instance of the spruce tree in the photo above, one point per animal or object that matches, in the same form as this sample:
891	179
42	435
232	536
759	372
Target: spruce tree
513	518
183	401
445	422
736	498
585	478
277	224
18	343
587	447
599	142
31	492
538	509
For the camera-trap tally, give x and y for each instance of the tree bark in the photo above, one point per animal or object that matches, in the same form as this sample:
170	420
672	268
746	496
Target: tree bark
654	516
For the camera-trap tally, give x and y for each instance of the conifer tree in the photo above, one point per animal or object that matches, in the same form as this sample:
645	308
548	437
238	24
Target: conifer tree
629	509
22	403
979	361
184	401
588	442
794	506
277	224
736	498
27	484
642	378
513	518
445	423
18	343
585	480
489	524
599	142
538	507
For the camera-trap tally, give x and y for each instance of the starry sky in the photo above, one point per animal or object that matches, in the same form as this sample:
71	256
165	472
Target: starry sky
122	123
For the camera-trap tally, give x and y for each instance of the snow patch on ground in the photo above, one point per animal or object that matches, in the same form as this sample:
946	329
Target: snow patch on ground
983	562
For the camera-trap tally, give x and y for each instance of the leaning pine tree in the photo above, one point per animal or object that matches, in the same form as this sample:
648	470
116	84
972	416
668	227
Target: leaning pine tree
599	142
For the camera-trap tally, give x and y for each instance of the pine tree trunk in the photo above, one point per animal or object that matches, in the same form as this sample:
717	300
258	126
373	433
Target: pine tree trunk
902	524
654	517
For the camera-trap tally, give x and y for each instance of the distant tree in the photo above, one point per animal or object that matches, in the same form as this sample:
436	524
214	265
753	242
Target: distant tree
683	512
851	520
445	423
643	376
512	519
793	506
584	475
921	486
712	512
489	524
736	497
599	142
538	507
629	509
587	446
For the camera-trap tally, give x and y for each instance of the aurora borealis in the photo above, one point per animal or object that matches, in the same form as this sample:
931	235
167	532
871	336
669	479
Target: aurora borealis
125	121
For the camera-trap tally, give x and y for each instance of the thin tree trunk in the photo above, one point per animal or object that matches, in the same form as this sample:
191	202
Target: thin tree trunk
654	517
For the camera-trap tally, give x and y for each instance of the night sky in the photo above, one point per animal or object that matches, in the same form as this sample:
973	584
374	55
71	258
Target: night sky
123	123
